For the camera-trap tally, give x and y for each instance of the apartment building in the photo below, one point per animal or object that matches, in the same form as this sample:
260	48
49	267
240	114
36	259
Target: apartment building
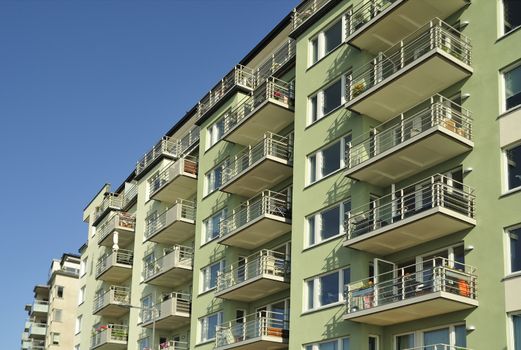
51	316
352	183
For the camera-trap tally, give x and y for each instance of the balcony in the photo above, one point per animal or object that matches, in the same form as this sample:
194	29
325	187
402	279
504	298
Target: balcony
429	134
112	201
240	78
270	108
307	13
430	288
179	180
174	225
263	274
110	337
40	308
129	194
172	313
112	303
276	62
430	209
375	25
174	345
115	267
172	269
257	221
426	62
35	345
439	347
122	223
259	167
259	331
37	330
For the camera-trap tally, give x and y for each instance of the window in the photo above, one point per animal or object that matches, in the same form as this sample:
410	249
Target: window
326	41
512	87
81	295
452	336
511	14
55	338
212	226
144	344
77	347
514	245
512	159
57	315
373	342
83	266
77	327
215	132
326	100
146	309
214	179
328	223
327	160
208	326
337	344
327	289
516	331
209	275
59	291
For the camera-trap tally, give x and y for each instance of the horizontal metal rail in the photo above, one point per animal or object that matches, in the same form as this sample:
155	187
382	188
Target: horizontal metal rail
130	192
122	256
436	111
438	347
177	256
114	295
430	276
434	35
305	10
278	58
435	191
265	262
185	165
111	200
363	13
182	209
118	220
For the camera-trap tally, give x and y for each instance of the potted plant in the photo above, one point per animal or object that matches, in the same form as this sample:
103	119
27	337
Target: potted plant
358	88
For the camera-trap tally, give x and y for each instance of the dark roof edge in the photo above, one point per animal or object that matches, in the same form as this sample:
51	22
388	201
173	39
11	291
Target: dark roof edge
97	193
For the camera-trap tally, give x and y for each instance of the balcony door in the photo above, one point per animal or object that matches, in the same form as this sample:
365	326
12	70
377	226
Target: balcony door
384	281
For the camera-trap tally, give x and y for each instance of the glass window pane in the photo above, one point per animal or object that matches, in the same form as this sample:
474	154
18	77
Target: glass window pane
313	109
331	345
512	11
212	324
515	249
311	228
214	270
405	342
461	336
314	50
329	289
332	97
330	223
333	36
513	86
311	294
331	159
373	343
312	169
345	344
516	323
514	167
347	276
439	336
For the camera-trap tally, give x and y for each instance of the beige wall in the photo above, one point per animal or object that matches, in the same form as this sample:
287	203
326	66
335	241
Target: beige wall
512	294
68	305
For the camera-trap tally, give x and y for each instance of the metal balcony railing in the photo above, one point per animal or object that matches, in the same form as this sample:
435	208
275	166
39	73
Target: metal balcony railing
430	276
122	256
130	193
118	220
271	145
239	76
305	10
434	35
280	56
265	262
436	111
438	347
363	13
175	345
257	325
270	89
178	256
114	295
267	202
111	200
436	191
182	304
109	333
182	209
187	164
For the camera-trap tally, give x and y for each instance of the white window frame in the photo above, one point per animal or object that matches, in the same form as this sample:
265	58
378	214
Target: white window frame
204	236
319	160
418	334
62	292
320	100
318	224
503	86
321	41
504	162
317	289
81	294
141	342
77	324
83	266
502	20
316	346
57	315
207	269
375	336
203	326
510	328
209	179
211	132
146	309
508	250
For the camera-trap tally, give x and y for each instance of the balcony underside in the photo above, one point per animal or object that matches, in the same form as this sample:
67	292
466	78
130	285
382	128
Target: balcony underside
37	334
112	310
399	20
125	237
112	345
116	273
424	226
260	343
171	322
417	154
254	289
183	186
171	277
258	232
178	231
415	308
266	173
272	115
433	72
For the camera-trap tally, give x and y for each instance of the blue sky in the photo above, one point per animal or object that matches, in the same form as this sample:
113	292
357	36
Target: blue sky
87	87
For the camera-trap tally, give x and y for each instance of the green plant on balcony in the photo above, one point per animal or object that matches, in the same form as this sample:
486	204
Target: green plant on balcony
358	88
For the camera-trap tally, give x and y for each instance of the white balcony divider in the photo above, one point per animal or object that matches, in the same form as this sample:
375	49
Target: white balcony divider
280	56
434	35
122	257
436	111
265	262
118	220
179	303
250	327
114	295
435	191
109	333
267	202
431	276
305	10
187	164
176	256
271	145
182	209
130	192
